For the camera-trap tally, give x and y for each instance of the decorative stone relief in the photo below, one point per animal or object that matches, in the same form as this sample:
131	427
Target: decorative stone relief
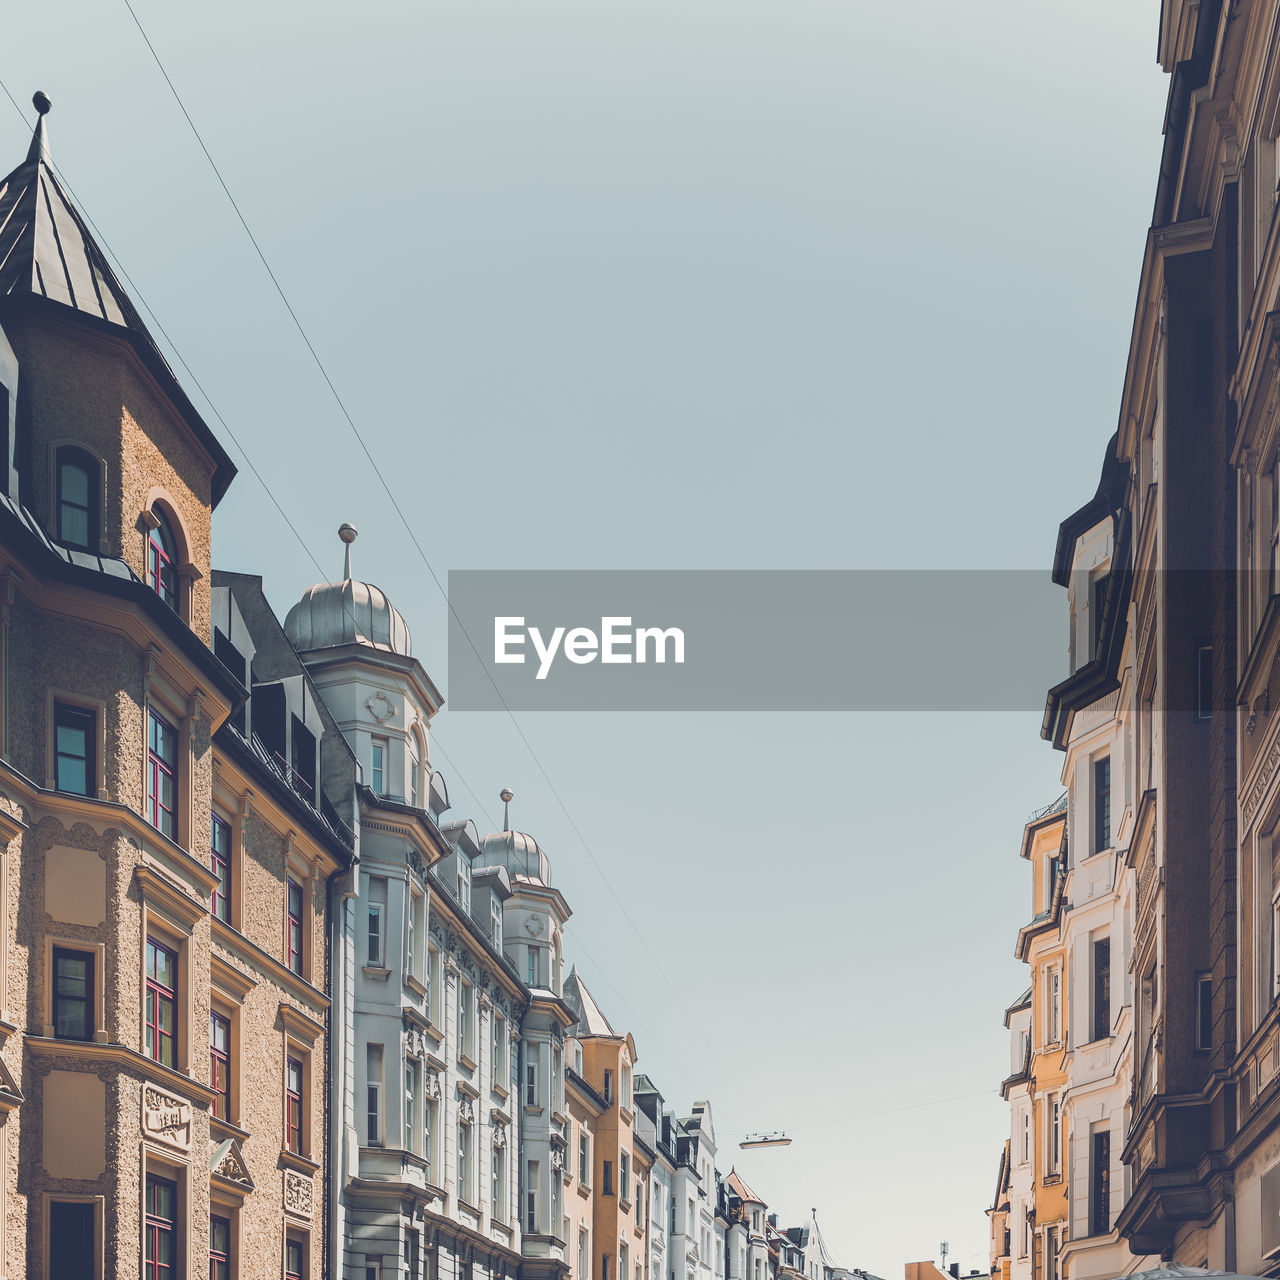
414	859
431	1086
227	1162
381	708
466	1111
165	1117
1265	776
499	1133
557	1159
533	926
299	1193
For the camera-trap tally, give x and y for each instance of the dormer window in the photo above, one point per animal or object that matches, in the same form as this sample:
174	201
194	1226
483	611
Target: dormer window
464	882
76	499
162	575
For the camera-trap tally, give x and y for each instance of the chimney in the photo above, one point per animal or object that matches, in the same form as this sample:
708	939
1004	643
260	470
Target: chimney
955	1271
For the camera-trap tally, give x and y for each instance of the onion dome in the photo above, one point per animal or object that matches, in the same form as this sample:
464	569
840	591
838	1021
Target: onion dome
347	612
518	851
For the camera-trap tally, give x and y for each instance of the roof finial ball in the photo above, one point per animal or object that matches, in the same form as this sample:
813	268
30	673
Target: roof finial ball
505	795
348	533
38	151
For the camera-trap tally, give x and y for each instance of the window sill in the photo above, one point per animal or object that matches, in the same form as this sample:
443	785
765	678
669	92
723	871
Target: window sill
501	1090
465	1061
470	1208
414	985
533	1111
624	1204
376	972
296	1160
584	1190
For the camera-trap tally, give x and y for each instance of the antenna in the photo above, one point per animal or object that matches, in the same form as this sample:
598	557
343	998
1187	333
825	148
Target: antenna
944	1248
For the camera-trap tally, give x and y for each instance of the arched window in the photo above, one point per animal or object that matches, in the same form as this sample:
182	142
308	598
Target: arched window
77	499
162	573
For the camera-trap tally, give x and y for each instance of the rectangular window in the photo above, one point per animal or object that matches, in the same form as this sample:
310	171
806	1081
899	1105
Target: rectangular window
639	1201
373	1095
220	1064
294	910
435	986
584	1160
162	775
428	1131
220	865
498	1050
608	1088
466	1028
531	973
378	776
1101	988
295	1256
626	1087
1101	804
1204	682
624	1261
75	731
1053	1119
1055	1005
1051	1253
219	1248
72	994
607	1178
1204	1012
1100	1183
374	956
498	1188
604	1267
411	1070
495	923
77	476
161	1251
531	1198
624	1176
161	1010
557	1073
72	1239
531	1081
464	1162
293	1105
584	1247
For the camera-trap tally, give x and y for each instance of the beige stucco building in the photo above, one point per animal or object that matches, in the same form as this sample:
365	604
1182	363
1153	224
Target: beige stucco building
167	848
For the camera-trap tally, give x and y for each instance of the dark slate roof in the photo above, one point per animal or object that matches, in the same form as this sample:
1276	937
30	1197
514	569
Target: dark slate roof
46	249
47	252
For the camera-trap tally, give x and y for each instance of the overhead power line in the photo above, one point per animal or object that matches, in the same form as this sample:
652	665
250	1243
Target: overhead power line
365	449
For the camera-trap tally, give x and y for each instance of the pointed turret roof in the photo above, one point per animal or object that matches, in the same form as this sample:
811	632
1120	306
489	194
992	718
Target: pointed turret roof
591	1022
738	1186
47	252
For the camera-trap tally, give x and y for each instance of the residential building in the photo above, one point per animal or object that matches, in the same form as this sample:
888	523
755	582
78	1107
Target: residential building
1041	947
425	1093
655	1127
174	808
1020	1175
608	1066
1095	734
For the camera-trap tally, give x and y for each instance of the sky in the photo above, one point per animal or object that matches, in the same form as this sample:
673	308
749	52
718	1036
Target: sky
733	284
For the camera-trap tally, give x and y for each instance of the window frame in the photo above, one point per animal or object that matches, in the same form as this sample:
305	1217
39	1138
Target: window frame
157	768
294	1105
65	455
223	1057
225	1257
66	711
220	865
156	1227
295	933
89	1000
163	560
155	994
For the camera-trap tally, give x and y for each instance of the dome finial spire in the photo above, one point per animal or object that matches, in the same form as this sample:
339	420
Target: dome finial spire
39	149
348	533
505	795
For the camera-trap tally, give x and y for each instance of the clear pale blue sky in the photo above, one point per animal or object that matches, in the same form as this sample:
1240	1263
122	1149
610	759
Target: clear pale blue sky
822	283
